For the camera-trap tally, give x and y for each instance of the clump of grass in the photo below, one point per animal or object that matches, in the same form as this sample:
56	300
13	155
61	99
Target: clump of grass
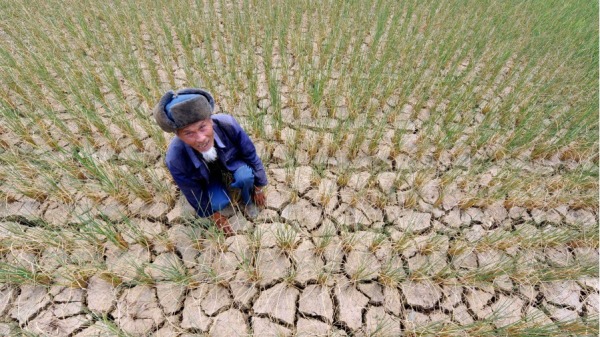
98	231
322	242
215	238
431	245
324	276
211	275
458	247
250	269
377	242
200	234
349	241
286	238
254	238
112	278
403	242
78	277
17	275
361	274
391	274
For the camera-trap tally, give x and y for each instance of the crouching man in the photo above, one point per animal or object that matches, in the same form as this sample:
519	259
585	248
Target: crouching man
211	156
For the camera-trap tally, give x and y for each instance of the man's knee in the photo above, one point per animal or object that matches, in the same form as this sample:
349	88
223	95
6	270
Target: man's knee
218	198
219	204
244	176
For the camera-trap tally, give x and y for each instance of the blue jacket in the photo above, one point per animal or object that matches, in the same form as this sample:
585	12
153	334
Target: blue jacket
234	149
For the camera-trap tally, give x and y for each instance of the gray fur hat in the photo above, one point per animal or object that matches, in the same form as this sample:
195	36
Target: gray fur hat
176	110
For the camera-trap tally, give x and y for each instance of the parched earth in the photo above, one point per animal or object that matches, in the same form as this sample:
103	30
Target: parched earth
346	269
411	218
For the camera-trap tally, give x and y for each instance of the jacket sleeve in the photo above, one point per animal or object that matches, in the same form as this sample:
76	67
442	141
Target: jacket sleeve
195	192
249	154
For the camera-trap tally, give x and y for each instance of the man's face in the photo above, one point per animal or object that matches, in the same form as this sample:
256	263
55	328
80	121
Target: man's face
198	135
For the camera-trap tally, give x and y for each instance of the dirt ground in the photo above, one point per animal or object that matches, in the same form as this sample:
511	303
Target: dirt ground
297	271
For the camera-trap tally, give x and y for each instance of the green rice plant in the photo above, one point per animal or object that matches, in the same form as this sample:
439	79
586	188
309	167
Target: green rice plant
391	275
256	120
337	138
25	185
429	270
97	231
363	273
17	275
403	242
522	328
124	123
76	277
35	176
136	184
349	241
173	272
324	276
458	247
156	134
286	238
106	323
318	173
381	200
102	173
254	238
250	269
374	142
142	275
377	242
323	241
539	273
38	238
432	244
290	277
358	197
135	233
196	233
355	145
343	176
215	238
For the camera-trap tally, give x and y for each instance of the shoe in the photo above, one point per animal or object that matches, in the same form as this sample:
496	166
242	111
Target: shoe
251	211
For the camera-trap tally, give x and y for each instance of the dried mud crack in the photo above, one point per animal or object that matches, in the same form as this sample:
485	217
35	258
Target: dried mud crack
277	279
432	167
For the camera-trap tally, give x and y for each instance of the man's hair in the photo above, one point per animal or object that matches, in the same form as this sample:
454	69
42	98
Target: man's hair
176	110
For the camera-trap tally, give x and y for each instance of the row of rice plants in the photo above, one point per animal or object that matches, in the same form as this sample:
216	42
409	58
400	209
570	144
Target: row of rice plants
473	85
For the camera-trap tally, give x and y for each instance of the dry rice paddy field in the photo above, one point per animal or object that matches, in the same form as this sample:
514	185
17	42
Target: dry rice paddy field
433	169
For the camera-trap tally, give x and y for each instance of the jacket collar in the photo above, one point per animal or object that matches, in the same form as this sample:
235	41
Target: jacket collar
218	141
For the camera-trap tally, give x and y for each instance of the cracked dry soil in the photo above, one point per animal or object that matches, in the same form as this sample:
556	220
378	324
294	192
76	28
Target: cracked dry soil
298	272
356	240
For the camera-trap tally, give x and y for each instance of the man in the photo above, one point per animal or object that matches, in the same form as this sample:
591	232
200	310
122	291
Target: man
208	152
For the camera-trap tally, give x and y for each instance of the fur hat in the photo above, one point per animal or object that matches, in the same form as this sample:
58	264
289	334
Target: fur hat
176	110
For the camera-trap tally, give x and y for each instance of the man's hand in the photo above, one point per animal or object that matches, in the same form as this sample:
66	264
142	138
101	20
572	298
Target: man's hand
222	223
259	197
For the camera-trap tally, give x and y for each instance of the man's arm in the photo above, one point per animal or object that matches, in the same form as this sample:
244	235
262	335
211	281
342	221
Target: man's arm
249	154
195	194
